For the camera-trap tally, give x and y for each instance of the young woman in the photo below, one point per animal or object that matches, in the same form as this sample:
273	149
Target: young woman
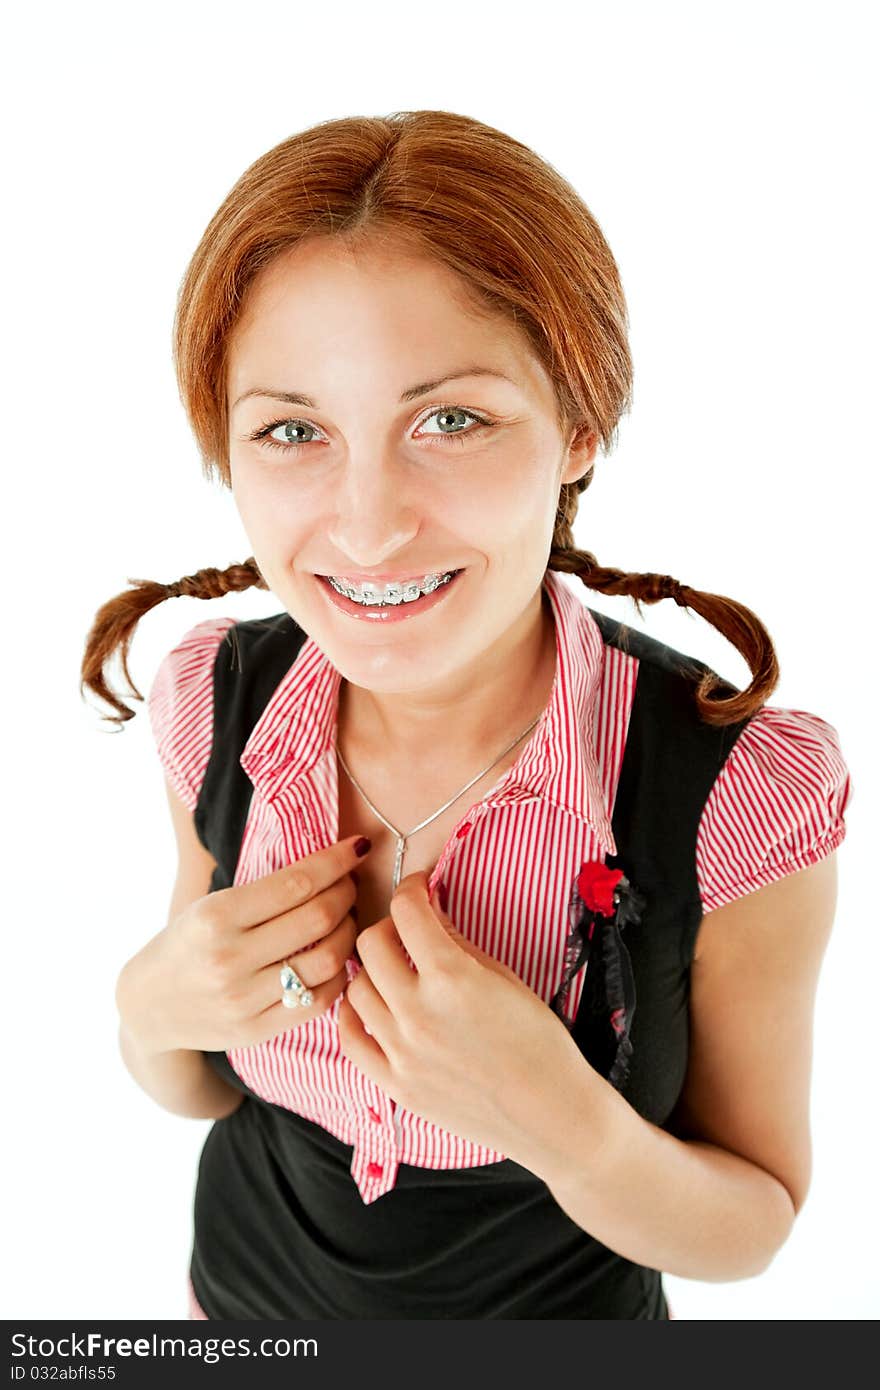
497	926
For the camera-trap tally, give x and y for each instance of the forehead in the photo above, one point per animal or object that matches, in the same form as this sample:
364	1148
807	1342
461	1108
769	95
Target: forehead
327	304
322	266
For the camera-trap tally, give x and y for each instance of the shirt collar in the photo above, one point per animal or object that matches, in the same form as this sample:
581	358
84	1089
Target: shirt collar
558	764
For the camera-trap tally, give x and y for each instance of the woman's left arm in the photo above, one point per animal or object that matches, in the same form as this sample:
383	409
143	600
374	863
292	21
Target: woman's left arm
716	1199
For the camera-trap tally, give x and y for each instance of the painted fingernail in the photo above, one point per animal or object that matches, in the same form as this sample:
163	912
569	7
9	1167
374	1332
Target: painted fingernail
442	896
361	845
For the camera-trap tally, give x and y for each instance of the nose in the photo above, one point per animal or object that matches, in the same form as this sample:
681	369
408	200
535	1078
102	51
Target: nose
373	516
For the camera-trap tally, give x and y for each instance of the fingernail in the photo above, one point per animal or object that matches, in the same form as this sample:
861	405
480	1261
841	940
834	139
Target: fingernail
442	896
361	845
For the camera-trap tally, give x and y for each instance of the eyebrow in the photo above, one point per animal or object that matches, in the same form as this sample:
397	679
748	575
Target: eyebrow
411	394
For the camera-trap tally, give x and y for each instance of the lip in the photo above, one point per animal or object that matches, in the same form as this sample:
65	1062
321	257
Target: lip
387	613
386	576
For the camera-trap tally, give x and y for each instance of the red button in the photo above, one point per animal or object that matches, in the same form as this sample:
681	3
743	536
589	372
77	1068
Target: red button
375	1170
373	1114
463	829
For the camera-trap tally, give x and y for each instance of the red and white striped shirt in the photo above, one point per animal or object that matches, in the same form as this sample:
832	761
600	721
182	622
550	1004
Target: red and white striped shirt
776	806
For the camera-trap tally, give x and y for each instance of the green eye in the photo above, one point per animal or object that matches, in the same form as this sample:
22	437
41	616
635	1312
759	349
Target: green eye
456	410
264	432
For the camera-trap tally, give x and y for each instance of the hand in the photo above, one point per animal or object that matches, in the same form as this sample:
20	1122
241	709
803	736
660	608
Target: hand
211	979
459	1039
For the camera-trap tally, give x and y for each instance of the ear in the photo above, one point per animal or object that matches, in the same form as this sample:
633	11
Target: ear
581	454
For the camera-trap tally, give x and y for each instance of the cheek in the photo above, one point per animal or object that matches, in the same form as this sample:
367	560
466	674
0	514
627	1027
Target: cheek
503	487
277	517
521	501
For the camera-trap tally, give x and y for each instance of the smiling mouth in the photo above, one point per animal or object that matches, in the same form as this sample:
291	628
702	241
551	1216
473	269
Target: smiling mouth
384	595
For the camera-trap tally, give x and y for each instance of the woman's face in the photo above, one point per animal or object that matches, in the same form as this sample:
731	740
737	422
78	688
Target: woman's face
385	474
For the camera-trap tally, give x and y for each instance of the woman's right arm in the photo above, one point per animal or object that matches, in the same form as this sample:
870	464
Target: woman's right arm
180	1080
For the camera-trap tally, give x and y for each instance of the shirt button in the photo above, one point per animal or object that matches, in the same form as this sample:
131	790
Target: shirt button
374	1170
463	830
373	1114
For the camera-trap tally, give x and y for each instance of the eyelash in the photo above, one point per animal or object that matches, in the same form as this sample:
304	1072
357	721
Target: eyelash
262	434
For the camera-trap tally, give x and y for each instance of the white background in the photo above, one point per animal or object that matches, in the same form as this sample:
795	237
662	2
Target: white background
727	152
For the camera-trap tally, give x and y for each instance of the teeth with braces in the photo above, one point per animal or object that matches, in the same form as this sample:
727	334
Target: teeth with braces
376	595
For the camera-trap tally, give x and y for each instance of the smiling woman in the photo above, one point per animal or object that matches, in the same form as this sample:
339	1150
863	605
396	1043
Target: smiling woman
401	342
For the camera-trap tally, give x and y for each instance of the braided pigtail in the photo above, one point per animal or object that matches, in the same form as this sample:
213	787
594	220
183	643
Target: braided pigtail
115	622
737	623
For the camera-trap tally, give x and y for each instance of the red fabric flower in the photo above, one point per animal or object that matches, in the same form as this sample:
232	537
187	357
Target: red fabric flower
603	898
596	883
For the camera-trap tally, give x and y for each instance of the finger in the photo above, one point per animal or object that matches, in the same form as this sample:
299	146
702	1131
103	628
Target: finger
299	928
441	912
323	959
315	966
278	1018
371	1009
357	1044
383	957
418	925
470	947
250	904
452	930
447	923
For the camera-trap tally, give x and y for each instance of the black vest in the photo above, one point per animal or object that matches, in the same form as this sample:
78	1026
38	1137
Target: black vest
280	1229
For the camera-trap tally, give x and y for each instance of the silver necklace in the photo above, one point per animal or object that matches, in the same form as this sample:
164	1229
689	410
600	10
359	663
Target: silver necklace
399	835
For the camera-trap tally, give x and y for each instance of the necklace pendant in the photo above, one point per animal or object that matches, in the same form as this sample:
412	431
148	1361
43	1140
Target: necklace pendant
398	862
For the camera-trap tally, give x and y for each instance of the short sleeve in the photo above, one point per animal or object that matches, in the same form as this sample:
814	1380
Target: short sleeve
777	805
180	704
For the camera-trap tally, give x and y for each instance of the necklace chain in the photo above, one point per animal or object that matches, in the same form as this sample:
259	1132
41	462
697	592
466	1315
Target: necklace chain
398	834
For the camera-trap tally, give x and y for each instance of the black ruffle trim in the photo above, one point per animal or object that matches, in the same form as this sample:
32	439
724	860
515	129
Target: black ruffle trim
587	928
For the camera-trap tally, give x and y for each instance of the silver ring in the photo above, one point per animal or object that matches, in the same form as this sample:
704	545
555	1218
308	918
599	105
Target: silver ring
294	994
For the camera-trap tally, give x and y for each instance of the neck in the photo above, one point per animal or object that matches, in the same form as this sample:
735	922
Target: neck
460	722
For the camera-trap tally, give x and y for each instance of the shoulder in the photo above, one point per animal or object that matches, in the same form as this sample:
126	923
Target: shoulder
180	705
777	805
643	647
